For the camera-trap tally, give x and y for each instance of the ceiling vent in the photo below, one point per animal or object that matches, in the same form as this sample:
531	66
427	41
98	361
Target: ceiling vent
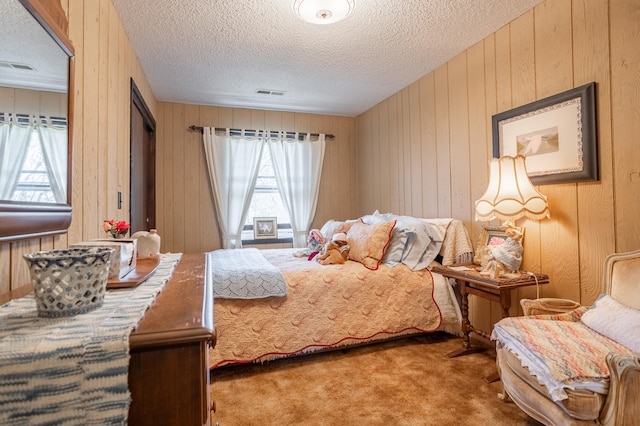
17	66
270	92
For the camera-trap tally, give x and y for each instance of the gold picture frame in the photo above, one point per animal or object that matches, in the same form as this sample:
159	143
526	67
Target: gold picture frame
490	237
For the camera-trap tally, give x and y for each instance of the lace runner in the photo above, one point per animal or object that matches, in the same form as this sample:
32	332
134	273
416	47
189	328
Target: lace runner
72	370
243	274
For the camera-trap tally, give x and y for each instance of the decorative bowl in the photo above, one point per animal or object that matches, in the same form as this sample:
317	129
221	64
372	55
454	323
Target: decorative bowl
70	281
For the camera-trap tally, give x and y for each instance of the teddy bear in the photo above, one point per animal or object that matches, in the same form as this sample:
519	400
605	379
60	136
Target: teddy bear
336	251
341	240
331	255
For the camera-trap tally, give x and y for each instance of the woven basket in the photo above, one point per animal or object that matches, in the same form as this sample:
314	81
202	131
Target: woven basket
547	306
69	282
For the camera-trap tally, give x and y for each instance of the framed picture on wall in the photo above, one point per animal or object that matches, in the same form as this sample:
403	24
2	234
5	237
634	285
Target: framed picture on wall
265	227
557	136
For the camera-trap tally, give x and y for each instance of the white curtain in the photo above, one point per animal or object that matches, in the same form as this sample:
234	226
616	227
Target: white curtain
233	163
14	143
298	165
54	149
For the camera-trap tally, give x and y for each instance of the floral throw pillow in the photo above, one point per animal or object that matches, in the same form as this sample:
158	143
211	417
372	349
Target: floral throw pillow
368	243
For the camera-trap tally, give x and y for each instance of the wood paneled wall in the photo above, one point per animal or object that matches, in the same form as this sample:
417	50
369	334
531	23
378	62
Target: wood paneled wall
424	150
186	218
104	66
33	102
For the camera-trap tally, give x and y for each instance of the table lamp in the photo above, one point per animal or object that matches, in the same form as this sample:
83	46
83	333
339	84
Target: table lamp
509	196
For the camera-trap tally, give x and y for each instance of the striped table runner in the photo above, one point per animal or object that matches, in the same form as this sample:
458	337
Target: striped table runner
73	370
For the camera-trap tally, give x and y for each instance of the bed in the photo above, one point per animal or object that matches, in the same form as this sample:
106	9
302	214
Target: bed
331	306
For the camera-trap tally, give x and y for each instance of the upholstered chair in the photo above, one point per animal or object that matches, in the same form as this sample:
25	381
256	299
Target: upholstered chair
582	366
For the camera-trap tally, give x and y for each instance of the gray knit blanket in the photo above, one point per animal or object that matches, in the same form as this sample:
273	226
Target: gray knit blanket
72	370
243	274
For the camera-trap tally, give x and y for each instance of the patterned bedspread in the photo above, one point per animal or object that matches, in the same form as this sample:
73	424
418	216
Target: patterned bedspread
325	306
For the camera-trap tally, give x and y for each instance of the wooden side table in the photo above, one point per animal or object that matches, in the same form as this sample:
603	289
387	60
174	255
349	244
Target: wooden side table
495	290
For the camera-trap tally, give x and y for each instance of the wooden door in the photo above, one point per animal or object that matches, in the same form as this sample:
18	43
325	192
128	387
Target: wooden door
142	203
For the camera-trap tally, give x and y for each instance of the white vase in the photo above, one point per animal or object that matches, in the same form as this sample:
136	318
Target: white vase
148	244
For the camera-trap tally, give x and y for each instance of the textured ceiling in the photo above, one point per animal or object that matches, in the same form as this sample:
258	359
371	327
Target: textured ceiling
219	52
24	42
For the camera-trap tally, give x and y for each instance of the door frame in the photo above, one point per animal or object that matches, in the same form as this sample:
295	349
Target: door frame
138	102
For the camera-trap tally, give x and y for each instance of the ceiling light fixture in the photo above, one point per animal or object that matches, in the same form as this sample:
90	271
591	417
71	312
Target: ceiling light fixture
270	92
323	12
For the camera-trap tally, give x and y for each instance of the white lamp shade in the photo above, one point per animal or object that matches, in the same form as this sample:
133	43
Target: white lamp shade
510	194
323	11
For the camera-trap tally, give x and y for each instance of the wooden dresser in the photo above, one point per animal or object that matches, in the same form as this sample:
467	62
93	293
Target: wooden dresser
169	366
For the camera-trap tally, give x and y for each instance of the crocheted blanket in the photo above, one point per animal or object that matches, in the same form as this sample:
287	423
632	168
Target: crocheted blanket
243	274
72	370
456	247
566	349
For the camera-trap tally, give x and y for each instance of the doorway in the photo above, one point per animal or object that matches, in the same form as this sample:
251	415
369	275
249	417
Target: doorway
142	201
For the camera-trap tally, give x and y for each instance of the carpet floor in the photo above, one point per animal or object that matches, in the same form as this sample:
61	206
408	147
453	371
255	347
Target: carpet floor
408	381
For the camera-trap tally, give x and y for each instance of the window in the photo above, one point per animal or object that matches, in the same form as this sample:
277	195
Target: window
33	182
35	174
266	201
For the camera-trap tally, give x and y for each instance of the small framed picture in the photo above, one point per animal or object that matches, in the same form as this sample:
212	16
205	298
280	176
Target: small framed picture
265	227
490	237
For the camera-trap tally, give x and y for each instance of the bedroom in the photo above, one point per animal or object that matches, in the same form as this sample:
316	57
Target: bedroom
558	45
522	62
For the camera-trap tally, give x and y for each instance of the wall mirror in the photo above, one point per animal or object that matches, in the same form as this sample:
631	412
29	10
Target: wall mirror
36	75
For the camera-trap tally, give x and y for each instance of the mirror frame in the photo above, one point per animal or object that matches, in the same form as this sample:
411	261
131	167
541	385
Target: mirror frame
20	220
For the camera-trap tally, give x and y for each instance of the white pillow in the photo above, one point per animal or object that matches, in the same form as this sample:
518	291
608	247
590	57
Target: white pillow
332	227
419	250
393	255
618	322
412	240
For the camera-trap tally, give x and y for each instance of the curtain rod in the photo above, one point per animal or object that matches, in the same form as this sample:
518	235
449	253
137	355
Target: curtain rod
220	129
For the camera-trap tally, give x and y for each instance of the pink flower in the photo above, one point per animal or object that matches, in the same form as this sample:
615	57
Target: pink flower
496	241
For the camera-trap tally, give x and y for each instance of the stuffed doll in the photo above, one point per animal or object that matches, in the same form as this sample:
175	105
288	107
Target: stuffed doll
315	244
316	241
505	259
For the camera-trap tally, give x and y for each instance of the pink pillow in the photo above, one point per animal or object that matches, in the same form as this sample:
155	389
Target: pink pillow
368	243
